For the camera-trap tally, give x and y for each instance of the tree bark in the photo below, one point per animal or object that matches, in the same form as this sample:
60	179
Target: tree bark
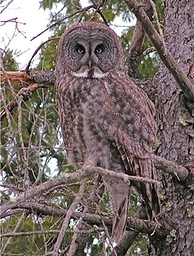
176	132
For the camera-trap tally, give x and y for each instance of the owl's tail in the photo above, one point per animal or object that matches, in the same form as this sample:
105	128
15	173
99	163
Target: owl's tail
119	196
149	192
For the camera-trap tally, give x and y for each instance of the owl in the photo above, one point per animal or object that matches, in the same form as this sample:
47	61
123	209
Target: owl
104	116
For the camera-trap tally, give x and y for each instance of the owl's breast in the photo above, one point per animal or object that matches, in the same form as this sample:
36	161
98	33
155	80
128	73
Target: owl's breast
81	106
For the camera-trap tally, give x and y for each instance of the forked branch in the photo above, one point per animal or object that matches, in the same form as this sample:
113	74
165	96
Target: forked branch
158	42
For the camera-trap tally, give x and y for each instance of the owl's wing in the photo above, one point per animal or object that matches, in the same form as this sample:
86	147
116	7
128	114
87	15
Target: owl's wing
131	128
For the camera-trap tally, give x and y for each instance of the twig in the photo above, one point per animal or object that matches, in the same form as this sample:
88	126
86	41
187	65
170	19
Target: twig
36	51
29	233
78	242
68	217
6	6
14	20
13	232
156	17
184	83
67	17
23	95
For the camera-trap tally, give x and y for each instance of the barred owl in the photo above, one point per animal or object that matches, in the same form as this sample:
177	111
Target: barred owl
104	116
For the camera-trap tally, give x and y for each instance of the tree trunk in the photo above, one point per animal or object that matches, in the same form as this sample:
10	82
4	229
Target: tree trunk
176	131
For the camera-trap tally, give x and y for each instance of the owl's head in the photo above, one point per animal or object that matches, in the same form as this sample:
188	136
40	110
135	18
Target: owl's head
90	50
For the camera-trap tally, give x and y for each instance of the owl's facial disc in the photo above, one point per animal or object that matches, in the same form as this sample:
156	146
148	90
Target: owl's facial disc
89	60
90	53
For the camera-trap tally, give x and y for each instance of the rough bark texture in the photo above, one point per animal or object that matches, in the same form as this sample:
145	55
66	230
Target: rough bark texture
176	130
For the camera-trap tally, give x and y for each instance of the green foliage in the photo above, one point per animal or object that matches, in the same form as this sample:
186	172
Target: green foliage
9	60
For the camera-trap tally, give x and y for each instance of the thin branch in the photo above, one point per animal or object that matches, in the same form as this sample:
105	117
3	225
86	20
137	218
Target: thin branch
95	6
6	6
184	83
29	233
36	51
22	95
122	176
68	217
78	243
13	232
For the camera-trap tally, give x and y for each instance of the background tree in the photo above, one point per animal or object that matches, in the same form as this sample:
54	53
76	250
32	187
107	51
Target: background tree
47	207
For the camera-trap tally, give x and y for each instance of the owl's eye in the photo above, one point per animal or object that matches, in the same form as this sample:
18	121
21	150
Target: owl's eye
80	49
99	49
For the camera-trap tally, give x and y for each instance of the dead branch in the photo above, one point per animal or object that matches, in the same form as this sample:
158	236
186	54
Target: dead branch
22	78
19	78
184	83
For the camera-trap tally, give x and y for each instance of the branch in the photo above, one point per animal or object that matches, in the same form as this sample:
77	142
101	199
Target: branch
95	6
27	69
180	172
68	215
29	233
184	83
19	78
140	225
91	204
65	179
23	95
122	176
136	48
126	242
22	78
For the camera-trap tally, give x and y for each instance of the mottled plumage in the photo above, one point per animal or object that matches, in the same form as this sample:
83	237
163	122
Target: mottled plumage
104	116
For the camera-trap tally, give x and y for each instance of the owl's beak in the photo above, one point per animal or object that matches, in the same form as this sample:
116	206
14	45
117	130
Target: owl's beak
90	63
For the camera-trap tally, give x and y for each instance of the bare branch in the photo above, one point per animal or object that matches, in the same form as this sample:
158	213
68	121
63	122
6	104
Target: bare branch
180	172
139	225
66	178
85	9
124	177
36	51
29	233
22	95
5	6
68	217
158	42
19	78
